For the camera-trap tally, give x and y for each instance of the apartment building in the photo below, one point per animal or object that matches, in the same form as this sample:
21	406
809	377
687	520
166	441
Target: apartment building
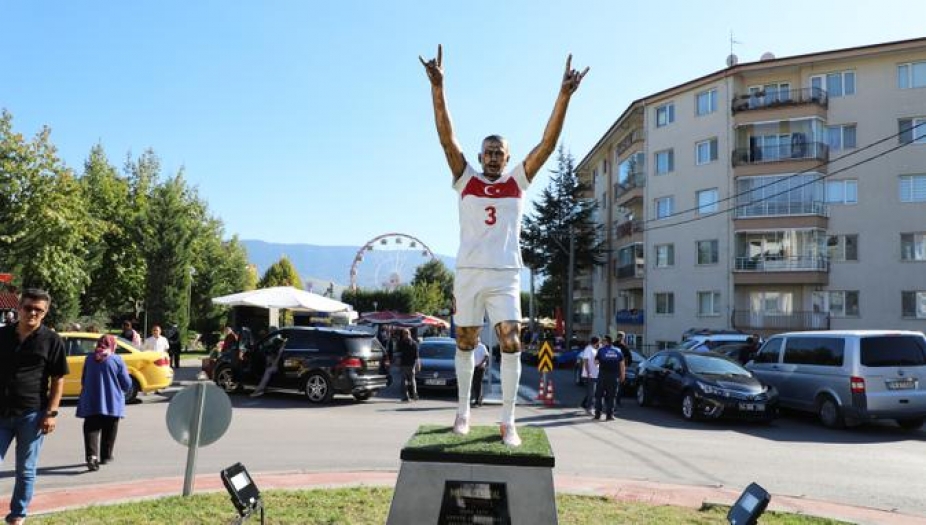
781	194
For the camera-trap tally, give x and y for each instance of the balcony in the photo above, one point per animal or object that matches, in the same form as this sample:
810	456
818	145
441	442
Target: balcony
768	208
628	228
633	181
797	150
781	270
780	322
625	143
779	99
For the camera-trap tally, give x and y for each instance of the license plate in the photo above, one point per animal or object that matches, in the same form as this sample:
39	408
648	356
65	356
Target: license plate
372	364
435	382
903	384
752	407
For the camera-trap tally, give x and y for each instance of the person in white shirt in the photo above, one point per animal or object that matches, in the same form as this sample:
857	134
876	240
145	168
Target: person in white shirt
488	265
156	341
481	358
589	373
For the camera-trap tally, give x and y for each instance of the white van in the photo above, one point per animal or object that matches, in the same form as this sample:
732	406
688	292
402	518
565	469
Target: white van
848	376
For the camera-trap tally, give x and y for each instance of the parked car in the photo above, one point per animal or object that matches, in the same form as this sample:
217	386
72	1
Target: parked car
150	371
438	371
848	376
712	340
319	362
629	386
691	332
704	385
734	351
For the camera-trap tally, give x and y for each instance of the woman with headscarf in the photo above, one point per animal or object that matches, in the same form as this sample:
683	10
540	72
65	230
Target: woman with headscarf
104	382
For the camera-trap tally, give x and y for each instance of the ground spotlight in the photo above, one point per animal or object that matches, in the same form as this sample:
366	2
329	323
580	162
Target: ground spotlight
244	493
750	505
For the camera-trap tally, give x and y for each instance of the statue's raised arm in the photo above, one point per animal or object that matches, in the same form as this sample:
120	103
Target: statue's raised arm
448	141
539	155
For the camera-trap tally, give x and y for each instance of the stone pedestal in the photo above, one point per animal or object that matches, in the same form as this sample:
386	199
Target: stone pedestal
450	479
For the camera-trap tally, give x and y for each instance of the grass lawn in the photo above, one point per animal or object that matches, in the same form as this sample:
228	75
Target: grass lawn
370	505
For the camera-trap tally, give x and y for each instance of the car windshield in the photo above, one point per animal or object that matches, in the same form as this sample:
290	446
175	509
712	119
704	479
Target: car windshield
706	364
437	350
688	345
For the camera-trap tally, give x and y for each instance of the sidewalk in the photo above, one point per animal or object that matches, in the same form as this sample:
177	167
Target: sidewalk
619	489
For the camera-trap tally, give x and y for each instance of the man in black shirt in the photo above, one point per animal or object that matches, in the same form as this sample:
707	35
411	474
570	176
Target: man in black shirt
610	373
33	363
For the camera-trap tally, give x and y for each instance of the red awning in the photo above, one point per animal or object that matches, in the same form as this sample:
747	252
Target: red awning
8	301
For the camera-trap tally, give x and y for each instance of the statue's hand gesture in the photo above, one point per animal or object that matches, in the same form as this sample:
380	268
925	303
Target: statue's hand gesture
433	67
571	78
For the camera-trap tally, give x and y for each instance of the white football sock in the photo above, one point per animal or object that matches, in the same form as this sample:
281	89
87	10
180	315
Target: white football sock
511	378
464	363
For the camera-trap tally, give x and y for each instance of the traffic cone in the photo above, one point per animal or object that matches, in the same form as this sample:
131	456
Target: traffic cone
549	397
541	391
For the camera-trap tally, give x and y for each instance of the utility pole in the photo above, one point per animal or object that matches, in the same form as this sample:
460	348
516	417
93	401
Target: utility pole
569	287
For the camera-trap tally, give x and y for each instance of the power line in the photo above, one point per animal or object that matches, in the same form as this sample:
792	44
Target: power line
812	169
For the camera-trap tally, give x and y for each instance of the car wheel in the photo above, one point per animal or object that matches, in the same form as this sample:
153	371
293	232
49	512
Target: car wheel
225	379
642	396
829	413
689	407
363	396
318	388
132	395
910	424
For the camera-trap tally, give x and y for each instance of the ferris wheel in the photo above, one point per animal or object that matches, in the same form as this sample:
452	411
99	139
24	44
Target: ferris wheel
396	254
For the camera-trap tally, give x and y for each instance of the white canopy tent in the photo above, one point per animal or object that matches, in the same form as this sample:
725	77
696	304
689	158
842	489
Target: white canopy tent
288	298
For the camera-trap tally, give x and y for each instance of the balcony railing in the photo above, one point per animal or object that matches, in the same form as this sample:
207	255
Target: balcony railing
769	209
630	271
796	150
630	317
779	98
628	141
628	228
634	180
748	320
774	263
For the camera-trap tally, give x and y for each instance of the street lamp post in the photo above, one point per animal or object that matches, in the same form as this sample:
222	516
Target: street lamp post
189	304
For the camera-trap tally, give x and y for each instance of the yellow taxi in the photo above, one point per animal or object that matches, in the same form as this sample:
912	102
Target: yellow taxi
150	371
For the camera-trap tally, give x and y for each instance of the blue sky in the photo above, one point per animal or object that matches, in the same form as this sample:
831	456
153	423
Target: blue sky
311	122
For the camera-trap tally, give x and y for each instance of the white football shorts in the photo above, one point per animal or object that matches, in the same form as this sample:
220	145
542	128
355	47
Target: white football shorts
477	292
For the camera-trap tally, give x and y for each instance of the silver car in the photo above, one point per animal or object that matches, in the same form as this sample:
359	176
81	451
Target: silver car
848	376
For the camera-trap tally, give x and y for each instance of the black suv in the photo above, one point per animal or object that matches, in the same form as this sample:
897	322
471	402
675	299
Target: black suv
319	362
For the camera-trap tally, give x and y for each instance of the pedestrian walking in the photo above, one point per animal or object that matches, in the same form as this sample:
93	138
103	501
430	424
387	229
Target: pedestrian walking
610	372
628	358
156	341
129	334
409	361
481	358
590	373
487	282
174	345
33	363
272	359
104	383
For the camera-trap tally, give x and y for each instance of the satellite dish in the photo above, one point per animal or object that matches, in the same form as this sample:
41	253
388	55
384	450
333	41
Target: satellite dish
732	60
768	55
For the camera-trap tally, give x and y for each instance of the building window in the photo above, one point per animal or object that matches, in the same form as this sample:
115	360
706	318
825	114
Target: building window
841	84
705	151
707	201
665	303
911	75
769	94
913	188
665	345
840	137
665	114
913	246
665	255
842	191
913	304
665	161
708	304
706	102
912	130
840	303
708	252
771	302
842	248
664	207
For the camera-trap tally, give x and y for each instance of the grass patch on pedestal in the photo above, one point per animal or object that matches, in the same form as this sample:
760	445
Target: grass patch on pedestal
483	444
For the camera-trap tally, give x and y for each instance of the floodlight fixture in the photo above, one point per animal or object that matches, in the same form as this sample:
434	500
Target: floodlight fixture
244	493
750	505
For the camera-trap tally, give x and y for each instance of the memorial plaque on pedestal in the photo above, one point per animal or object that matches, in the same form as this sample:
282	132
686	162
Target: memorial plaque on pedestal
467	502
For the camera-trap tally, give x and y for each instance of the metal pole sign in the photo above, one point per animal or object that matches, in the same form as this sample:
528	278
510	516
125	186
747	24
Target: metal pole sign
545	357
197	416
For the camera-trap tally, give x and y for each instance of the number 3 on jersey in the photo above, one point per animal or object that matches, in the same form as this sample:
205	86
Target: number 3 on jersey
490	215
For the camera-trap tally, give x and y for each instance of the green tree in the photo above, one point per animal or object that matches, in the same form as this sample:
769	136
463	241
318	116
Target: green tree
436	273
281	273
562	216
45	229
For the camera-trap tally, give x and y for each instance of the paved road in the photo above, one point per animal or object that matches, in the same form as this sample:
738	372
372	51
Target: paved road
875	466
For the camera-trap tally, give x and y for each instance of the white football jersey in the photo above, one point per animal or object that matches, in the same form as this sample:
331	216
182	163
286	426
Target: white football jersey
490	219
